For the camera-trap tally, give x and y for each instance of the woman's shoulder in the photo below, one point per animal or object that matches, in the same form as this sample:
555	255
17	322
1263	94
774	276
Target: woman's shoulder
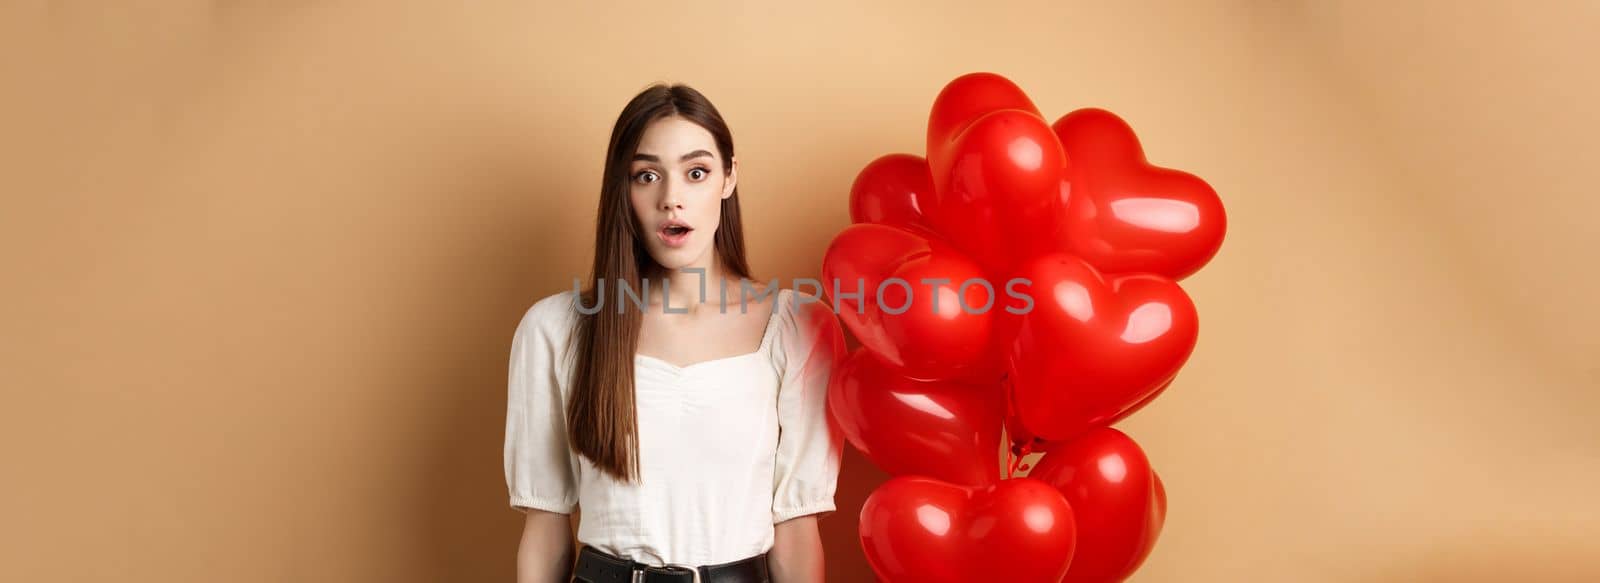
805	318
551	316
803	307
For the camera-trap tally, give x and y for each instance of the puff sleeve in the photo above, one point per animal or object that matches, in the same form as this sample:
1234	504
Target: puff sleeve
538	463
809	450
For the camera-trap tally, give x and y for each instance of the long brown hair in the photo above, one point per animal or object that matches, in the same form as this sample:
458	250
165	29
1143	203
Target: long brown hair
601	419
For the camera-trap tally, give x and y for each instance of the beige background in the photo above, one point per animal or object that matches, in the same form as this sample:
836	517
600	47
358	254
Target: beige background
262	262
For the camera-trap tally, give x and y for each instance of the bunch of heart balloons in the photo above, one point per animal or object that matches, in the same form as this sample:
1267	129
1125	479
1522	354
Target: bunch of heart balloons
1019	280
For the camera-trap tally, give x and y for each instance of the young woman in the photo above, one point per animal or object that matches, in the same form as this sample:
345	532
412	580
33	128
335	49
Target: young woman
678	403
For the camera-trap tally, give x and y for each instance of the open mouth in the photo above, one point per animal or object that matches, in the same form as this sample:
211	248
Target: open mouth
674	233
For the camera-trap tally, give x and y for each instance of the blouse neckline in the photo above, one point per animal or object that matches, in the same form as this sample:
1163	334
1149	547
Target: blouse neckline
761	349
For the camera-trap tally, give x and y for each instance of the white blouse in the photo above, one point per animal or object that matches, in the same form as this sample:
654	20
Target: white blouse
727	447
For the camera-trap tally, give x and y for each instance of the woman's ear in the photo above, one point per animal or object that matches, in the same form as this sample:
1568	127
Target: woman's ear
733	179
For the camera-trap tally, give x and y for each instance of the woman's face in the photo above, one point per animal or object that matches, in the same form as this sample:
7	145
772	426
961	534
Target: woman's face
677	184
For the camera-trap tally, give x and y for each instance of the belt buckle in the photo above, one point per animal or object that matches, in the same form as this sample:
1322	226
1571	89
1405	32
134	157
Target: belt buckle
694	574
640	571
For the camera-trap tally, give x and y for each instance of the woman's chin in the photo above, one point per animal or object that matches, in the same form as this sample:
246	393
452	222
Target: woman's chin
675	259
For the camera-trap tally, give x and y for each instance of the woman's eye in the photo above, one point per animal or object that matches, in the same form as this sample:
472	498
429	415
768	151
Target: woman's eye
697	173
645	177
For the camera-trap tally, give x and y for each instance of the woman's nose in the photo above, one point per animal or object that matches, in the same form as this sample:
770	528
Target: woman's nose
671	202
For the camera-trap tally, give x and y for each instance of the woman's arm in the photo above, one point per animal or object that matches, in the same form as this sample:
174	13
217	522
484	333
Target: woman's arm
546	552
796	555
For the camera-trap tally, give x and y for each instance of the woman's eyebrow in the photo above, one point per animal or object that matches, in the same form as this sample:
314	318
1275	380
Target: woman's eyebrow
684	158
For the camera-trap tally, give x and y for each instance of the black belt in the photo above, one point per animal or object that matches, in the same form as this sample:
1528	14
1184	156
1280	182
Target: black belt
596	566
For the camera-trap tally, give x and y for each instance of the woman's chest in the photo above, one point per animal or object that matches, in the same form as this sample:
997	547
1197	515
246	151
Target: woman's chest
718	416
710	336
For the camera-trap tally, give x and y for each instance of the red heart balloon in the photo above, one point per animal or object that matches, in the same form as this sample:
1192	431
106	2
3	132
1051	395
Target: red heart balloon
999	190
1116	501
917	529
1020	436
940	429
944	329
1142	402
1161	503
1125	215
894	190
964	100
856	262
926	330
1091	348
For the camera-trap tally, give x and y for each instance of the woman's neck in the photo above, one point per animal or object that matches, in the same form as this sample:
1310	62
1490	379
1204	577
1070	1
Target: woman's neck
690	287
